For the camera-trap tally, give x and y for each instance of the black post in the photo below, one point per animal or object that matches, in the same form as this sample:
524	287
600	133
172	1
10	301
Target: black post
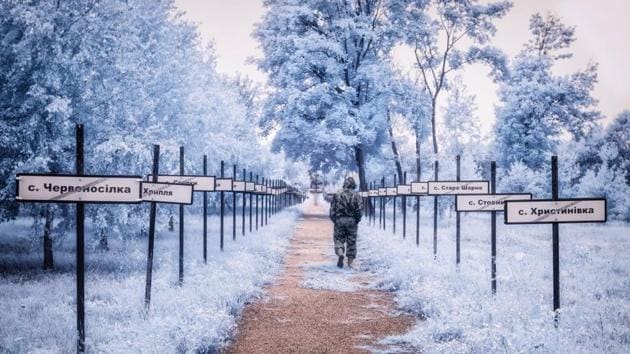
80	251
256	205
222	208
404	208
493	232
152	211
181	221
251	195
394	207
457	229
556	240
233	203
244	201
267	204
384	206
418	213
205	214
435	212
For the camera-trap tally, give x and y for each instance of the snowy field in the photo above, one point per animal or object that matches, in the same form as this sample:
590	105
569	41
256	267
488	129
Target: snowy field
38	308
455	307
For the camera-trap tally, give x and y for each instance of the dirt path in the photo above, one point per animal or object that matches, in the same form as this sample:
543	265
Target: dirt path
298	316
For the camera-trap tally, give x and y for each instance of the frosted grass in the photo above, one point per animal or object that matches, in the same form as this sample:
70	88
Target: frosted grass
38	308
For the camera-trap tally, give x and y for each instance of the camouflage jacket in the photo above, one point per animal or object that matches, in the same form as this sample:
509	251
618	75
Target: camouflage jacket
345	203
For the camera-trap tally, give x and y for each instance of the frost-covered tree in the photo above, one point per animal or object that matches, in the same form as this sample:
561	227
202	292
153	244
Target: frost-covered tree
538	107
325	63
445	36
135	74
461	125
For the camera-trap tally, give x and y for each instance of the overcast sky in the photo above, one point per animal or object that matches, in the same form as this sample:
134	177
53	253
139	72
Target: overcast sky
602	35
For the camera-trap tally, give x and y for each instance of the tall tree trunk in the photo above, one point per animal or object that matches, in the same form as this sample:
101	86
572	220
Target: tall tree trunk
418	162
394	148
359	155
49	215
433	130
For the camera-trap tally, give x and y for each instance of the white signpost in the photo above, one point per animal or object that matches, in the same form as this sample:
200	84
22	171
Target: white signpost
200	183
403	189
391	191
238	186
223	184
174	193
458	187
419	187
250	187
556	211
487	202
72	189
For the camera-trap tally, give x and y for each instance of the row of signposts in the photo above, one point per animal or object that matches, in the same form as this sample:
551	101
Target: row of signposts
481	196
270	197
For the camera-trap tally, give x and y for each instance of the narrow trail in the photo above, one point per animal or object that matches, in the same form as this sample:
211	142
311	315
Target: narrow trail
293	317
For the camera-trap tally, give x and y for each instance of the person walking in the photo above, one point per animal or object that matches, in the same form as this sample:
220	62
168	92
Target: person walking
345	213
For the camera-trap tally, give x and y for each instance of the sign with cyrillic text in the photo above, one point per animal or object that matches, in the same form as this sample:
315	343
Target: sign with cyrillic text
373	193
71	189
382	192
223	184
556	211
260	188
486	202
419	187
403	189
391	191
458	187
200	183
173	193
238	186
250	187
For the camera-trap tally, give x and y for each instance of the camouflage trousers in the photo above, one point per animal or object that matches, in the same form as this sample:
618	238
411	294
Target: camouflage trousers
346	235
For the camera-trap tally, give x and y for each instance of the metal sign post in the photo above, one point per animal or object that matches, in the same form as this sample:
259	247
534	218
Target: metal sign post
435	211
222	197
457	225
181	222
394	205
205	213
404	207
152	211
250	188
233	203
80	251
493	231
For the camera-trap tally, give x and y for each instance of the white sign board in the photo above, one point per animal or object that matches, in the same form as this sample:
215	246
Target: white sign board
458	187
161	192
552	211
382	192
224	184
250	187
200	183
373	193
88	189
403	189
391	191
487	202
260	188
419	187
238	186
363	194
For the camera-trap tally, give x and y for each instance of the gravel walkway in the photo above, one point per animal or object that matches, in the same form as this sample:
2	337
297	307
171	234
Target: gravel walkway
292	318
